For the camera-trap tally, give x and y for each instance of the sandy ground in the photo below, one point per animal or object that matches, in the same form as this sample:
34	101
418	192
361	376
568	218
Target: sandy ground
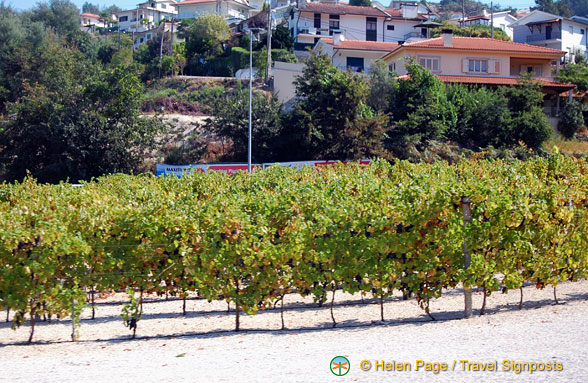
201	346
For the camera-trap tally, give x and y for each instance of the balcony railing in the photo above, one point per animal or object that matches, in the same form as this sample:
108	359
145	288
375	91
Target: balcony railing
541	37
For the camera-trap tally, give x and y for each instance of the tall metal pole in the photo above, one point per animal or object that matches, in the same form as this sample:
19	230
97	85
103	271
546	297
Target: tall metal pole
162	23
171	37
492	20
268	69
250	98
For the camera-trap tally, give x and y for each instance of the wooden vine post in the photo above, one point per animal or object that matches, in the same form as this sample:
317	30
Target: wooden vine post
467	217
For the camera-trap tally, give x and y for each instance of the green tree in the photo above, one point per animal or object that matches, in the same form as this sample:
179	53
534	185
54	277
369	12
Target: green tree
471	31
421	111
571	119
361	3
529	124
62	16
230	122
281	39
382	88
206	35
576	74
560	7
332	120
88	7
76	121
482	115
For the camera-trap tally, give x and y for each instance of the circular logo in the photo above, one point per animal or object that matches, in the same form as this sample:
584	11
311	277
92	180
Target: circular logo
340	365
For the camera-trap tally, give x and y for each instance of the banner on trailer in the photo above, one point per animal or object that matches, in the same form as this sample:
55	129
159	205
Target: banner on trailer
178	170
300	164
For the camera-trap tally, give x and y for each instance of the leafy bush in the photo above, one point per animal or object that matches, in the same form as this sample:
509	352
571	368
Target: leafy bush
571	119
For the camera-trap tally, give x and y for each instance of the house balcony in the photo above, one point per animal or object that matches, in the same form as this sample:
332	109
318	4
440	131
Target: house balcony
543	37
414	36
313	32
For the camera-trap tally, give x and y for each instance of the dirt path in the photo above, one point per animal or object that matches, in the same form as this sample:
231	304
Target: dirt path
202	348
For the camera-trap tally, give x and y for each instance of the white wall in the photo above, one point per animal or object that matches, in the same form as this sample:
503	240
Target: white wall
502	21
339	58
402	27
573	41
353	26
228	8
284	76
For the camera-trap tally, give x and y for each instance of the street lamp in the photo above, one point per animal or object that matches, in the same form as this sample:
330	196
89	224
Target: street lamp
250	94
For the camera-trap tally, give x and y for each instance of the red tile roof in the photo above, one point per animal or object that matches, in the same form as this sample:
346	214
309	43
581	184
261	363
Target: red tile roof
378	46
479	17
482	44
90	15
333	9
544	21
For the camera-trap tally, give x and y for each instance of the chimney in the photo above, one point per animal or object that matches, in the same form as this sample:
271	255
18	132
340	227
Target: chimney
338	38
447	35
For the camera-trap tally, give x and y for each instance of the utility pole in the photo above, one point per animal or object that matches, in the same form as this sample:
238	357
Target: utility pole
171	37
463	13
118	32
162	24
269	45
250	98
492	20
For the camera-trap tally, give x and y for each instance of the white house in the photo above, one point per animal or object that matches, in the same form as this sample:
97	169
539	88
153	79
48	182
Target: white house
147	15
353	54
552	31
501	20
484	61
312	21
405	23
90	19
233	10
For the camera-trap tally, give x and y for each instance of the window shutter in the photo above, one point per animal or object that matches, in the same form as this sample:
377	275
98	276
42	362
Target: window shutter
492	65
497	67
465	66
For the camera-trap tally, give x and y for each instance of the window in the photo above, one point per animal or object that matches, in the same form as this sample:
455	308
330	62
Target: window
571	29
152	5
123	18
333	23
582	31
478	66
392	67
355	63
371	29
317	20
431	63
162	6
390	27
